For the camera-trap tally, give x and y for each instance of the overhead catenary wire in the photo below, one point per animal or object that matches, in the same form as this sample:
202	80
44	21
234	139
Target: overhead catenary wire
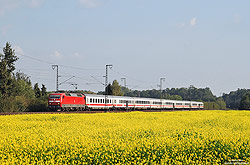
51	63
131	77
79	68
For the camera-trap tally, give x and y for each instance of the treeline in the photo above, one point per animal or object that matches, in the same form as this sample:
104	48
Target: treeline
234	100
16	91
193	94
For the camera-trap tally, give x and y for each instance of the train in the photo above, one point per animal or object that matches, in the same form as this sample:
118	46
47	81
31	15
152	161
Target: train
88	102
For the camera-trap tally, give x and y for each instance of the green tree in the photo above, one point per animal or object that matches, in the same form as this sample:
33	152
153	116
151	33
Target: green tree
43	90
4	77
108	90
37	90
22	86
234	98
10	57
221	105
7	67
116	89
245	102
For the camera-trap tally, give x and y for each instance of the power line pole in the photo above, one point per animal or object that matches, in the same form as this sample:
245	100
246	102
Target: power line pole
161	80
106	84
53	67
124	79
190	95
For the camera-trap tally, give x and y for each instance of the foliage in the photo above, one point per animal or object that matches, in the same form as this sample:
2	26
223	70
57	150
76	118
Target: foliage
13	104
197	137
37	90
192	93
233	99
22	86
108	90
38	104
43	90
116	89
245	102
218	104
7	66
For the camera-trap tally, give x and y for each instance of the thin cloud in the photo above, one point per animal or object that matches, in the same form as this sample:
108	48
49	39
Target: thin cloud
236	18
9	5
35	3
56	54
18	49
193	21
181	25
5	29
76	54
90	3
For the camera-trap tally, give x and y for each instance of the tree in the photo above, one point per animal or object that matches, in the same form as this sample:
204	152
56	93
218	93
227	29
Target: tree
245	102
234	98
4	77
37	90
116	89
43	90
108	90
10	57
7	67
22	86
221	105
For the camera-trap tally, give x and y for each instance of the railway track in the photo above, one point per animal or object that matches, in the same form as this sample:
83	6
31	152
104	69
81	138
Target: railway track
86	112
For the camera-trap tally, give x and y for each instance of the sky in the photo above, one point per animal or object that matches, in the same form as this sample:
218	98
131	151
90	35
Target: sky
194	42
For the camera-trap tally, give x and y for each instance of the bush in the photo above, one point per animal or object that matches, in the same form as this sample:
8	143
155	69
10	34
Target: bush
38	105
13	104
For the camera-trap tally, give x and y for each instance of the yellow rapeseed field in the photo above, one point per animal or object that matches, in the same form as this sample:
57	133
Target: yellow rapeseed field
186	137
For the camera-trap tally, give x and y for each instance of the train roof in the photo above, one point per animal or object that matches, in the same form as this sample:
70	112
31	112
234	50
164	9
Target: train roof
138	98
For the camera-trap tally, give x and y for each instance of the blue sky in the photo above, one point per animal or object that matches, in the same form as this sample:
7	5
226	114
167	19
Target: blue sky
195	42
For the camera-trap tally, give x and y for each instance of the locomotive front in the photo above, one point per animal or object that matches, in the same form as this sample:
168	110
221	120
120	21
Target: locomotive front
54	102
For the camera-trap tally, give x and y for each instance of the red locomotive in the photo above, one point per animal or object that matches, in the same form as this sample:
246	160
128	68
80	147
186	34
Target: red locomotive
66	101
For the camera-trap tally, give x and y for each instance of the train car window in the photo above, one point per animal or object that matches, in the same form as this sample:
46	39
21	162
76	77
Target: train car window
90	100
73	94
54	96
